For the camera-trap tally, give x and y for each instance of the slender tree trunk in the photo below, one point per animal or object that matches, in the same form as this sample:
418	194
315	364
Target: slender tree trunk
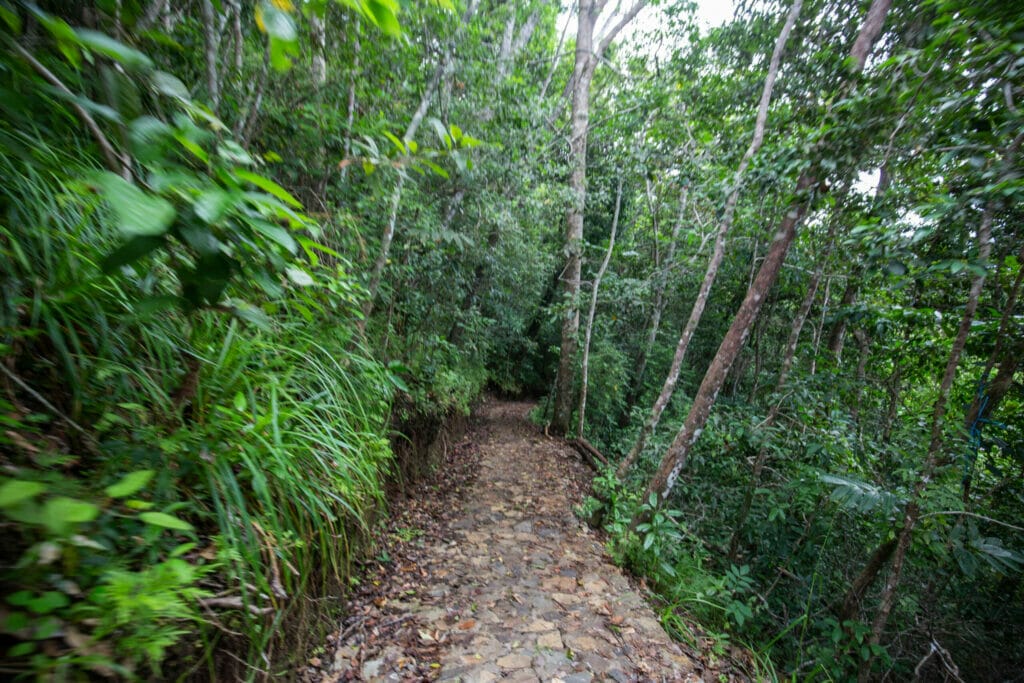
318	38
211	53
554	63
780	384
511	47
668	388
588	331
676	455
912	511
582	75
977	409
664	267
353	79
850	607
388	236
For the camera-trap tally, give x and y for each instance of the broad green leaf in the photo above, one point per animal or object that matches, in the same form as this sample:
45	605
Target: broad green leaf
137	212
60	513
107	46
129	484
277	234
299	277
270	187
276	22
170	85
212	205
48	602
16	491
251	315
383	14
131	251
240	402
166	521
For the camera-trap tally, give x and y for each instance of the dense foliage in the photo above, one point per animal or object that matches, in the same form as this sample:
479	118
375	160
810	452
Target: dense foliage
253	249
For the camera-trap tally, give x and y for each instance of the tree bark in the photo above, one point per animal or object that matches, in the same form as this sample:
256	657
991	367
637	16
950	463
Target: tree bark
318	38
912	512
588	332
663	267
675	457
211	53
350	119
582	74
711	273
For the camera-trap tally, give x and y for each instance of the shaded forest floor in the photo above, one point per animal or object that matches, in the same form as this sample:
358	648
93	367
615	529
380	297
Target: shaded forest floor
486	574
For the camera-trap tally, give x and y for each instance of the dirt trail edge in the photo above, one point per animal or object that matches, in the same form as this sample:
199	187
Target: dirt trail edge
509	586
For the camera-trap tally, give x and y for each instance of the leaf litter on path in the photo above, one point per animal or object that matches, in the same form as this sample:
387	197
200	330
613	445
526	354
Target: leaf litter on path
484	573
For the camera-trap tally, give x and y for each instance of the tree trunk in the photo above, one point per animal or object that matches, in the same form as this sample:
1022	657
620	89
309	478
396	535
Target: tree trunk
396	198
675	457
588	332
850	608
582	75
668	388
912	511
211	53
318	38
787	364
663	267
356	50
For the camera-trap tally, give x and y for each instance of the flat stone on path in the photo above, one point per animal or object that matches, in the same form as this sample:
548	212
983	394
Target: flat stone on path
516	588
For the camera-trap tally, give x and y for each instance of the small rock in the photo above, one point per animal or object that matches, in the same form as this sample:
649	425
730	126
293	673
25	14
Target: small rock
552	640
539	626
512	662
371	668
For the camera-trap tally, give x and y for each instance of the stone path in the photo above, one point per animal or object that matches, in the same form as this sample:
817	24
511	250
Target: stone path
516	588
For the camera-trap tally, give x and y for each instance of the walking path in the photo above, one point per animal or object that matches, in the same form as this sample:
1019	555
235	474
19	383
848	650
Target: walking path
508	585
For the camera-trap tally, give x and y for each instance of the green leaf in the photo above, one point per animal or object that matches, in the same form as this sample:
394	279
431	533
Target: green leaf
170	85
48	602
299	277
240	402
211	205
129	484
22	649
60	513
278	23
107	46
269	186
131	251
16	491
166	521
277	234
137	212
383	14
251	315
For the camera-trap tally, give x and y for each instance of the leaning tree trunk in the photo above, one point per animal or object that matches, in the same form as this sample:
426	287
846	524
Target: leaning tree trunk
668	388
677	453
588	331
780	384
912	511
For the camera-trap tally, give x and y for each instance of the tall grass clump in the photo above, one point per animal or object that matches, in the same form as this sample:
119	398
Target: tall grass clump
191	440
